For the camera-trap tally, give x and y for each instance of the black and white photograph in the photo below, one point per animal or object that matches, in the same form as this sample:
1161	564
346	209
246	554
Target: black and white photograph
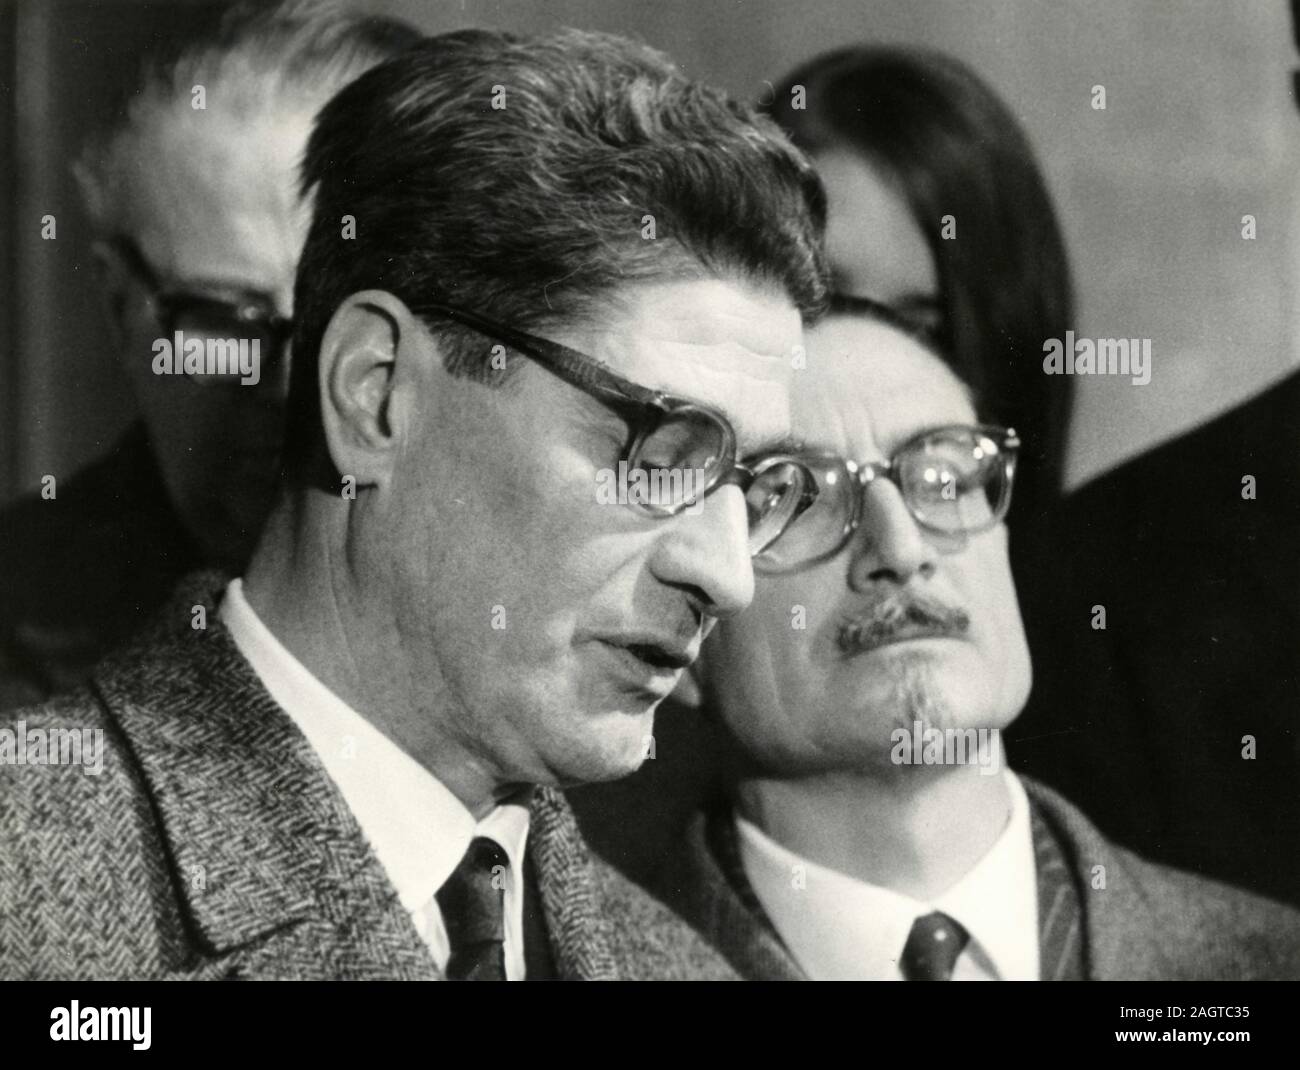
702	490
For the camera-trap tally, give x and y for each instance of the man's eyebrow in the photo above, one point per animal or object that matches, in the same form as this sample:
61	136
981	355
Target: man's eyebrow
919	302
890	315
857	305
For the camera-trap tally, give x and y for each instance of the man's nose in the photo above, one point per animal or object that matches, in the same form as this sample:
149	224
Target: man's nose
706	554
889	546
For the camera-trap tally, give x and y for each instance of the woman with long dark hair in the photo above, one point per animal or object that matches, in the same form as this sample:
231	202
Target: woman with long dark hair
938	209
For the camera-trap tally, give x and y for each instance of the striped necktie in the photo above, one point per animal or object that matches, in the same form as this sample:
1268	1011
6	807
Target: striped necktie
472	902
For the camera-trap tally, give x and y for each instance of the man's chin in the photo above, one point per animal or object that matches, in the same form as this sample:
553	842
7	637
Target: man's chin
615	743
877	713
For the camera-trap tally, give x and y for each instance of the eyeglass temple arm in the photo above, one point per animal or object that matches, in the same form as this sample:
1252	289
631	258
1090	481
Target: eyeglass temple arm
577	369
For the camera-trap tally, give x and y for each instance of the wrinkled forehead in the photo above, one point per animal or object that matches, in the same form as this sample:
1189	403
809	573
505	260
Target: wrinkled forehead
867	386
727	344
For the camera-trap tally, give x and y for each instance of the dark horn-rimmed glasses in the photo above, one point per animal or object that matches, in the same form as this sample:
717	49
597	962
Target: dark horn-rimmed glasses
666	434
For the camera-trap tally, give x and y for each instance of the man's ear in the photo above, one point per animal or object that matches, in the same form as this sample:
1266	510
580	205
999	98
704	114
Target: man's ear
365	377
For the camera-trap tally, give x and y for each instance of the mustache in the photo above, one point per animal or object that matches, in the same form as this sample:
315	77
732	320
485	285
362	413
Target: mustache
898	617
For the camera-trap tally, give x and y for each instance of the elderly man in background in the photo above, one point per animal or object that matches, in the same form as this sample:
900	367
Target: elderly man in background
532	263
873	829
198	231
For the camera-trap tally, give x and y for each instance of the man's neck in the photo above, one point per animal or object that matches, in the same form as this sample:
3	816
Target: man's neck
916	831
300	586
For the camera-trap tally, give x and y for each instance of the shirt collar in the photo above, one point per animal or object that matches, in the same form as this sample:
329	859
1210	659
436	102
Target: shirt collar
997	900
418	829
840	928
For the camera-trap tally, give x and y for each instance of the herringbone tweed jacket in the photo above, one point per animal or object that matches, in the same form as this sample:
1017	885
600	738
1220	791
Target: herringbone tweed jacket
1148	923
214	844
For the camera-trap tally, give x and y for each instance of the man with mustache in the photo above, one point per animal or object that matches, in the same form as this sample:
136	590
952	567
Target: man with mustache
872	830
345	764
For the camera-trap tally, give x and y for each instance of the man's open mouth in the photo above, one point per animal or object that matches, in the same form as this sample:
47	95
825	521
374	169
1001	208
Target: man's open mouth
659	656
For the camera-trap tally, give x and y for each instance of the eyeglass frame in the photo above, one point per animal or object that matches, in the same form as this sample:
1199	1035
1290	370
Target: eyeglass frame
864	473
252	307
623	396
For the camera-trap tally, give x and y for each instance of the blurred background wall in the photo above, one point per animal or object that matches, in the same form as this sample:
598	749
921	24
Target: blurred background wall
1200	128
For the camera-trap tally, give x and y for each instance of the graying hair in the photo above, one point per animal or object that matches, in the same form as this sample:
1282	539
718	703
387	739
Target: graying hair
296	53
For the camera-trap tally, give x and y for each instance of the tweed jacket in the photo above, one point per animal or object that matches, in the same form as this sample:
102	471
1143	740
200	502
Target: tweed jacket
1148	923
213	844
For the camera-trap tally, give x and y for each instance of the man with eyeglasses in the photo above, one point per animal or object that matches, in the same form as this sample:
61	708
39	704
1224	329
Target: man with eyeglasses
872	830
196	237
346	762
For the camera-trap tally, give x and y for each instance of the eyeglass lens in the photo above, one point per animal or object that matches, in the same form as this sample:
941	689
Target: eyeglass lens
952	481
694	441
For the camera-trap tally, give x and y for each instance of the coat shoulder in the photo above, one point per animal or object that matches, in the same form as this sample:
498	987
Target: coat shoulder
62	769
1148	921
1215	931
83	882
650	940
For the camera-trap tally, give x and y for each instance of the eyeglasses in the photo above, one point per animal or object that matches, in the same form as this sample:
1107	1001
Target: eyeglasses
667	434
954	480
241	314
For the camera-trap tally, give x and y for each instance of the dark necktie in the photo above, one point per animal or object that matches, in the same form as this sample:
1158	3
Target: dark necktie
932	948
472	902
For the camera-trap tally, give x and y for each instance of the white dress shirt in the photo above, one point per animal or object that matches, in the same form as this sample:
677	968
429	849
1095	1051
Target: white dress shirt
840	928
418	829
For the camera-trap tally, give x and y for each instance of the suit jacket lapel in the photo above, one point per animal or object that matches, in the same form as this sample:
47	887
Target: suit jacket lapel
1060	919
273	872
1119	945
579	930
708	886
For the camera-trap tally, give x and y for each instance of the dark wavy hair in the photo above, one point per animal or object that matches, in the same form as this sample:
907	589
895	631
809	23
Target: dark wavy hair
930	126
532	212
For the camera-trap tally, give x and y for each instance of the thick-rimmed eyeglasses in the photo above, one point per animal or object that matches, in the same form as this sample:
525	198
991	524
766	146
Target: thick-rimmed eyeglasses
954	480
666	434
239	314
